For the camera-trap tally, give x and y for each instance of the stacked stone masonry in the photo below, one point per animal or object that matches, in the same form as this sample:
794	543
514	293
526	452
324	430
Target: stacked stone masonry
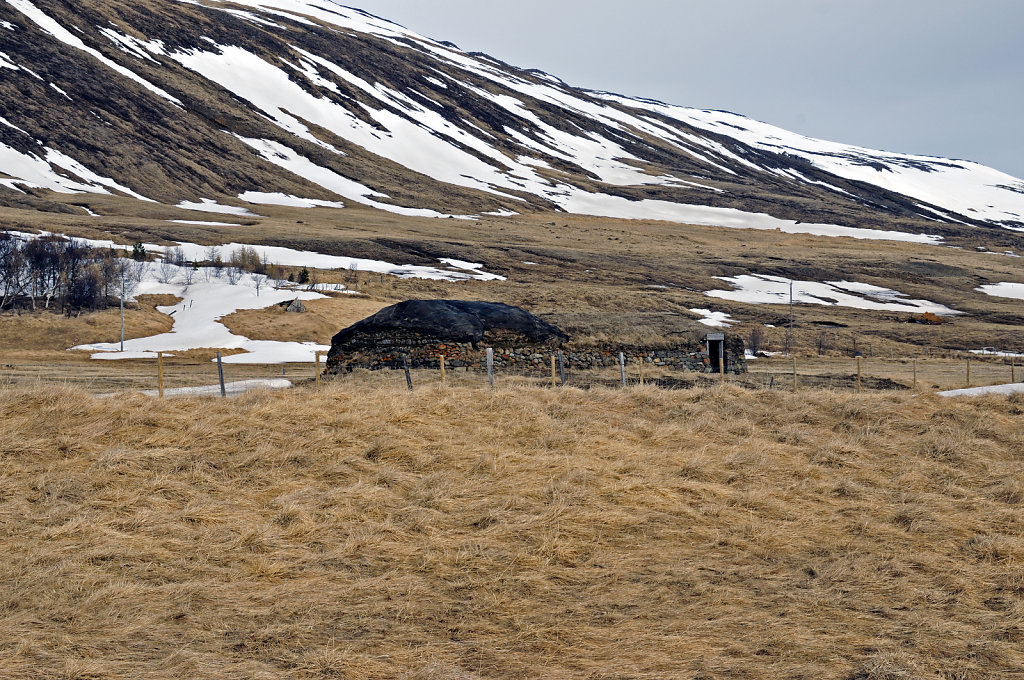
389	352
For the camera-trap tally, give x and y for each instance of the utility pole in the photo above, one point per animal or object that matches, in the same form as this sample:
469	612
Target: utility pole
789	344
122	311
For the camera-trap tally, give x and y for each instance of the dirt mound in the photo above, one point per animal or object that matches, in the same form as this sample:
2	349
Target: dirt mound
451	321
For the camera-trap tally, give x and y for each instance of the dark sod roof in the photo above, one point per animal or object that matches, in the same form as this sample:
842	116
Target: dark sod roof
451	321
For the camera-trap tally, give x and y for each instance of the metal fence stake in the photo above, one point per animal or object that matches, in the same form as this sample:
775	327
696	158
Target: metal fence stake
220	373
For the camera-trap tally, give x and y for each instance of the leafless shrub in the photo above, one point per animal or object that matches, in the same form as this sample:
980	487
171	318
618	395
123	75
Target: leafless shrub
166	270
755	340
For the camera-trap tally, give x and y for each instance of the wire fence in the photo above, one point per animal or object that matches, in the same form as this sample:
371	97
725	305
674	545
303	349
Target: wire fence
174	375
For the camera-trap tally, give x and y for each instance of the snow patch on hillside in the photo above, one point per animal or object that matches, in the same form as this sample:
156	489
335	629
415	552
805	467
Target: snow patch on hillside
759	289
602	205
286	200
200	223
289	159
993	390
231	389
32	171
714	319
49	25
1014	291
289	257
963	187
197	318
211	206
329	13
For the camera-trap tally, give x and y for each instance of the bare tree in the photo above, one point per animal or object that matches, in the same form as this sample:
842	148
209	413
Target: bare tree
176	256
43	258
167	269
190	270
130	274
12	269
213	263
213	257
822	343
52	267
234	275
755	340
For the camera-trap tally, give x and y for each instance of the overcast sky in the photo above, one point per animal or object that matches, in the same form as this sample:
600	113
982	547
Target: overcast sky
931	77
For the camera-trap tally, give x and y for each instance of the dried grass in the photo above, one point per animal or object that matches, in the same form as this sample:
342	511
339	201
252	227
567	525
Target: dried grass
461	534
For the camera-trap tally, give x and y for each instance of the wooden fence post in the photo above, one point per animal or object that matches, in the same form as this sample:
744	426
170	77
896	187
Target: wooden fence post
968	372
442	370
490	367
561	366
317	354
721	363
408	375
622	367
1013	369
554	375
220	373
641	371
160	372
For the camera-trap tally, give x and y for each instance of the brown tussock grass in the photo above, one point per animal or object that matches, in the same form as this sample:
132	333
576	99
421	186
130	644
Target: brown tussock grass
34	332
322	320
368	532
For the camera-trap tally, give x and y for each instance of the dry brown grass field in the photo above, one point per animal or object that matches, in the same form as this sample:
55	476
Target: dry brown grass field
368	532
455	533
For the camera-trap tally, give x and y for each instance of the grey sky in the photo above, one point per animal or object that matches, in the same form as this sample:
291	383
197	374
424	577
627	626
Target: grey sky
933	77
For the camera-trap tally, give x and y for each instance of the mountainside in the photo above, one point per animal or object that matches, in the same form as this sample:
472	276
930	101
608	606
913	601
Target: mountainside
300	102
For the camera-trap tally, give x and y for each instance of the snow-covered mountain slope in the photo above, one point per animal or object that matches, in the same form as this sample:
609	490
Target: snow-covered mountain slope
307	102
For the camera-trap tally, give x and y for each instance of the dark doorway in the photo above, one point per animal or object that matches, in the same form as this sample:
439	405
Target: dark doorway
716	352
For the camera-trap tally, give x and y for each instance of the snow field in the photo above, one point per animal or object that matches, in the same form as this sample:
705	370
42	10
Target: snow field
997	353
759	289
1014	291
289	257
1007	390
211	206
209	298
286	200
197	317
714	319
963	187
231	389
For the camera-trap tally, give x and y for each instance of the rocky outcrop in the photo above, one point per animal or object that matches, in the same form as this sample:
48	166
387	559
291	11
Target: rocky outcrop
295	306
